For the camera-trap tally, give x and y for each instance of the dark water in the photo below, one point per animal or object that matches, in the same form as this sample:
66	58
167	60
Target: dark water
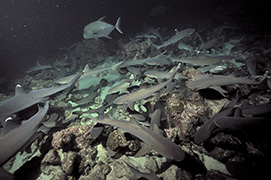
33	28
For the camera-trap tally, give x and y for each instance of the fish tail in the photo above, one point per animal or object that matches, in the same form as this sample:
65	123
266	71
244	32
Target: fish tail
175	71
115	67
117	26
155	46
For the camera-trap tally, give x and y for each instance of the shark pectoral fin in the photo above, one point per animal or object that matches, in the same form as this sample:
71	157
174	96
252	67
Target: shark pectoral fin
144	150
9	125
160	80
51	122
110	152
220	90
108	37
131	105
156	129
43	129
124	91
95	132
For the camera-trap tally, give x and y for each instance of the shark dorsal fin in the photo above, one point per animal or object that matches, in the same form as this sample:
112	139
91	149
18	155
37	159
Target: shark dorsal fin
86	69
19	90
9	126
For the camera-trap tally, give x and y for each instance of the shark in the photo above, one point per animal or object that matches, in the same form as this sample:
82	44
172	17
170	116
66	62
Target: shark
231	118
158	60
23	99
215	81
87	72
159	143
204	60
121	87
177	37
143	92
15	135
162	74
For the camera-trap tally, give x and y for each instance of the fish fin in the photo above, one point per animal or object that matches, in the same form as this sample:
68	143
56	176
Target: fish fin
160	80
49	124
143	150
131	105
19	90
101	19
156	129
95	132
108	37
9	125
43	129
155	46
110	152
86	69
220	90
125	91
117	26
116	66
133	121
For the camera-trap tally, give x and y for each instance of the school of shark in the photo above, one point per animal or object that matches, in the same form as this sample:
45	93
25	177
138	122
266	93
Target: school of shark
161	106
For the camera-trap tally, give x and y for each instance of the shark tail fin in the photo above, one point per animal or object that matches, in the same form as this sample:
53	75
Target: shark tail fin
174	72
117	26
115	67
155	46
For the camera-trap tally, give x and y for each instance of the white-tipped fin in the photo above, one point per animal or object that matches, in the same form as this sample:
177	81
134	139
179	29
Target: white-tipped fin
19	90
9	125
86	69
117	26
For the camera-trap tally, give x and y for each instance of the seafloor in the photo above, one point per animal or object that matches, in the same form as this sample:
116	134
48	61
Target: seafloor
67	151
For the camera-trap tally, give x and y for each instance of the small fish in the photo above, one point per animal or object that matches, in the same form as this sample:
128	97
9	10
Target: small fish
100	28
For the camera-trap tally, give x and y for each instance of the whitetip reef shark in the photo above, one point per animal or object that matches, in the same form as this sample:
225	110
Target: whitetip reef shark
23	99
14	136
203	60
215	81
144	92
87	72
177	37
159	143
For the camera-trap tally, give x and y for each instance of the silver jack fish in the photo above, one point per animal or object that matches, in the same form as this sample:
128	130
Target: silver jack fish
100	28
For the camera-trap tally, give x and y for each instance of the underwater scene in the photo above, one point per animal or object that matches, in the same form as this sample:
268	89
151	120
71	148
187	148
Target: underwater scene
135	89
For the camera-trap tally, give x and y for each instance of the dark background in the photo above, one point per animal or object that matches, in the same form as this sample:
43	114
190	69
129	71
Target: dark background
33	28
